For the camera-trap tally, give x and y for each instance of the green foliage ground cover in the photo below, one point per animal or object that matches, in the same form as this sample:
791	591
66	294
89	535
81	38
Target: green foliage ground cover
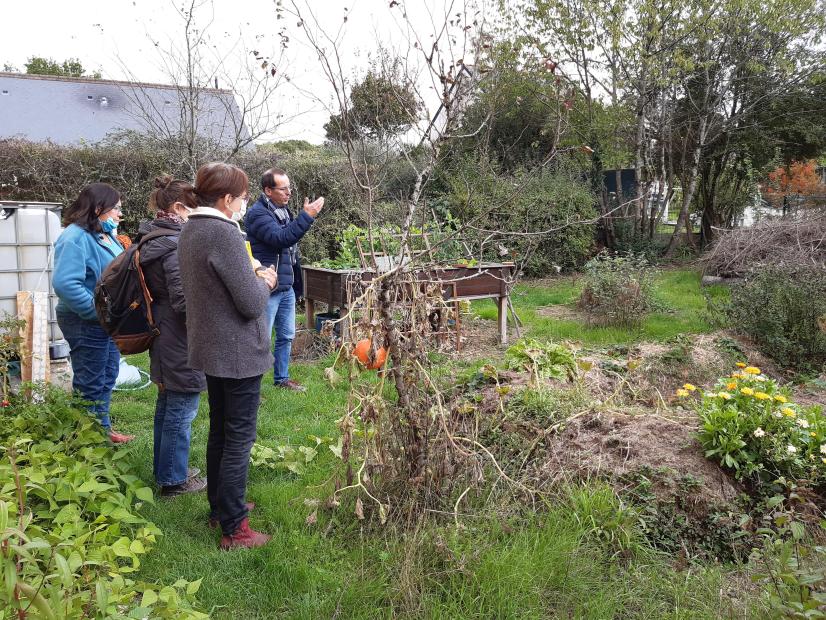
72	535
553	562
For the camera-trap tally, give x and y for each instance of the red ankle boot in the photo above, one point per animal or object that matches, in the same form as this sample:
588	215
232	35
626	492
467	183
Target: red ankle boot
120	437
213	521
244	537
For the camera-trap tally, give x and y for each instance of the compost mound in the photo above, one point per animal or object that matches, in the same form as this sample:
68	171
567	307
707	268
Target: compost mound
614	445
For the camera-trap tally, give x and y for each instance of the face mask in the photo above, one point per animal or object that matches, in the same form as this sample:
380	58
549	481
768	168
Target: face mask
109	225
237	216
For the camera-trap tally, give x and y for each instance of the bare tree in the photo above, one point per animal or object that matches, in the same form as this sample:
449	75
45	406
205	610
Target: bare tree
223	96
414	453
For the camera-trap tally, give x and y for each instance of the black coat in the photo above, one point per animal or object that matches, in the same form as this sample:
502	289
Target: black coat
168	354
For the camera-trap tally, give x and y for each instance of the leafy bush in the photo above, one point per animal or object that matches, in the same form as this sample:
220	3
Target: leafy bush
543	360
784	311
70	530
618	289
473	190
750	426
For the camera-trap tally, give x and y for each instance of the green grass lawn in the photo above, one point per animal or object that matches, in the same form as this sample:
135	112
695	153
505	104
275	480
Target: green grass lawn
677	292
545	565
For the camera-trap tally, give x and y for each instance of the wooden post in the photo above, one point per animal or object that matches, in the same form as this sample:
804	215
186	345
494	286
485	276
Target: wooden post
309	306
502	308
344	330
32	307
457	304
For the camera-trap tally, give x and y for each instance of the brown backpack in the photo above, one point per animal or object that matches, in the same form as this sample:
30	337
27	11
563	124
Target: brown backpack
123	302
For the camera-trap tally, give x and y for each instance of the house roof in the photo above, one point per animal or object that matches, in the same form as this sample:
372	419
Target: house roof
68	110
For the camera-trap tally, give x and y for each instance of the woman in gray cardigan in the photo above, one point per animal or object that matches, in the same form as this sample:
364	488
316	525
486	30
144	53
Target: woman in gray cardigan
226	324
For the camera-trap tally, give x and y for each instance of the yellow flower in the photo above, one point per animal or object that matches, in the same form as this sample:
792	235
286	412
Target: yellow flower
738	375
824	460
731	386
789	413
781	399
747	391
740	365
724	395
682	393
689	387
751	370
813	434
761	396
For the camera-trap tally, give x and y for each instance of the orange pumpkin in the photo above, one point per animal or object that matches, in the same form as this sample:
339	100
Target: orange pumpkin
362	353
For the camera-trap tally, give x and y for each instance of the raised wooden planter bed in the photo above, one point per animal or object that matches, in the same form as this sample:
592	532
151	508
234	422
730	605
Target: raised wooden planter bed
488	281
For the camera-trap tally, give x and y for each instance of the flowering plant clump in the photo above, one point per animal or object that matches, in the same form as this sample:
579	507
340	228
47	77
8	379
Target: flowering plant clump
750	424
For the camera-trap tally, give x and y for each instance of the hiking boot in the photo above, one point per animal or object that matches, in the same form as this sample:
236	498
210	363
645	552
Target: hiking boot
289	384
192	485
191	472
120	437
213	521
244	537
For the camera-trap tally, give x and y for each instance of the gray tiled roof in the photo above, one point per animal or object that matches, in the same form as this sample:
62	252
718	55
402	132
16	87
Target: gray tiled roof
71	110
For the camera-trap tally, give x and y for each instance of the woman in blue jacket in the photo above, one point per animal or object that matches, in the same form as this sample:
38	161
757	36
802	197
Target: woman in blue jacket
82	252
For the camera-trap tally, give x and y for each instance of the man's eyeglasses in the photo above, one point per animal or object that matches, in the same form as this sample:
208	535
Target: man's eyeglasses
286	188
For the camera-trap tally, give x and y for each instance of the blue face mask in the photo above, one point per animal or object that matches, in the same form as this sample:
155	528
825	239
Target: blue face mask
109	226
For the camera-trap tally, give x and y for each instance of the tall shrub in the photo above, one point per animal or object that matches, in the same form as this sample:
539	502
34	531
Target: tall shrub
551	201
784	311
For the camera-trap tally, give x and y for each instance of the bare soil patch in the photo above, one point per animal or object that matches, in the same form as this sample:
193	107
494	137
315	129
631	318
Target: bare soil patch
562	312
611	445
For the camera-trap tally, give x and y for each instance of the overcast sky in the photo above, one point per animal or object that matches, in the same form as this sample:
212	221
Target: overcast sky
116	37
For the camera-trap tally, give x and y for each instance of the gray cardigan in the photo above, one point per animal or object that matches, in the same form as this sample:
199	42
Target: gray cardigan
226	302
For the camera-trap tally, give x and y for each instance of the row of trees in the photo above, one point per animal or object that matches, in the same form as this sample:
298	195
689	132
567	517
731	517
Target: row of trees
701	95
701	99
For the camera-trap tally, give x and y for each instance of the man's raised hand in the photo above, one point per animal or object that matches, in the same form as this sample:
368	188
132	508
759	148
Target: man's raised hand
312	208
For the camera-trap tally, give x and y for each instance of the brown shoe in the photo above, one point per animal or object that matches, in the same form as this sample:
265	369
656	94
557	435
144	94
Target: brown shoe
120	437
289	384
213	521
244	537
192	485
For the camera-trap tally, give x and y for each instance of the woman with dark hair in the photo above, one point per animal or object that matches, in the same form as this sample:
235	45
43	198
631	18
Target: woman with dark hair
179	386
82	251
226	300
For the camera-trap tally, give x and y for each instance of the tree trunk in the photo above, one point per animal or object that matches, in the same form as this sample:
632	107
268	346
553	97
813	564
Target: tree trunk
639	207
688	193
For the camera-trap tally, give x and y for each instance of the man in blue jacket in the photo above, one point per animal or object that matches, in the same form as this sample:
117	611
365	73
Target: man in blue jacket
273	234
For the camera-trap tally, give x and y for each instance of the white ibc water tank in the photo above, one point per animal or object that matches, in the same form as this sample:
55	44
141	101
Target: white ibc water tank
28	231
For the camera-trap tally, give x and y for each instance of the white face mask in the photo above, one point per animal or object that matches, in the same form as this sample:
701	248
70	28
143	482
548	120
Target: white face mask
237	216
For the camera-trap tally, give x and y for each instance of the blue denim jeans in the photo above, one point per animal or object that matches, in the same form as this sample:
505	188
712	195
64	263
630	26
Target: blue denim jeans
281	314
174	413
95	361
